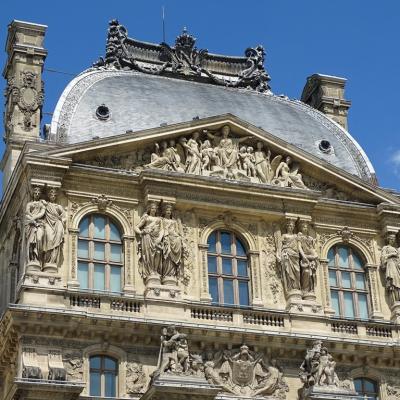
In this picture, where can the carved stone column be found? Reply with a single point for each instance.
(129, 285)
(376, 312)
(73, 272)
(256, 299)
(204, 292)
(326, 292)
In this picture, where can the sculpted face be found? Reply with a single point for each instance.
(304, 228)
(195, 135)
(225, 131)
(259, 145)
(36, 193)
(52, 195)
(288, 160)
(172, 143)
(153, 209)
(250, 149)
(164, 144)
(290, 226)
(168, 211)
(391, 239)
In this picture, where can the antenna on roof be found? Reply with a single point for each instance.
(163, 23)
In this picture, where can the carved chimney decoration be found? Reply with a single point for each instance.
(184, 59)
(326, 94)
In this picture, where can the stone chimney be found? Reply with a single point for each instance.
(326, 94)
(24, 91)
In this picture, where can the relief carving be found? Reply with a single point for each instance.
(215, 154)
(243, 372)
(136, 381)
(57, 372)
(73, 364)
(44, 232)
(30, 367)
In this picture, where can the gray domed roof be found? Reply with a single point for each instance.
(138, 101)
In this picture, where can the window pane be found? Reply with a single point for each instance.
(116, 252)
(243, 293)
(362, 305)
(358, 385)
(240, 251)
(212, 264)
(84, 227)
(369, 386)
(242, 267)
(98, 277)
(346, 280)
(360, 281)
(213, 287)
(225, 243)
(212, 240)
(357, 262)
(228, 291)
(83, 275)
(227, 266)
(83, 249)
(99, 227)
(335, 302)
(109, 380)
(110, 364)
(114, 232)
(331, 257)
(348, 304)
(95, 385)
(332, 278)
(99, 251)
(115, 279)
(343, 257)
(95, 362)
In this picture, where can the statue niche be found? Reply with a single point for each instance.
(160, 245)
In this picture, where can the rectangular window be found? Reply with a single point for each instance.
(332, 278)
(99, 277)
(99, 251)
(95, 384)
(242, 267)
(116, 252)
(343, 257)
(213, 288)
(212, 264)
(346, 280)
(114, 232)
(110, 387)
(362, 305)
(212, 240)
(335, 302)
(83, 249)
(228, 291)
(84, 228)
(115, 279)
(227, 266)
(360, 281)
(225, 243)
(243, 293)
(83, 275)
(348, 304)
(99, 227)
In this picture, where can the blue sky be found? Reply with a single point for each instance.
(351, 38)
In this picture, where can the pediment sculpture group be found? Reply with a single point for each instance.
(160, 243)
(241, 371)
(219, 154)
(44, 231)
(298, 258)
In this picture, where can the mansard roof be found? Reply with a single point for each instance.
(142, 86)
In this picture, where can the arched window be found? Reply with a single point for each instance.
(366, 388)
(347, 281)
(228, 271)
(103, 376)
(100, 259)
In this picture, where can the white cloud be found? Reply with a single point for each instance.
(395, 159)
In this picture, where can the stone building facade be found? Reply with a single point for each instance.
(180, 232)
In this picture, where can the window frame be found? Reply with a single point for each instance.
(91, 262)
(364, 394)
(221, 276)
(340, 288)
(102, 372)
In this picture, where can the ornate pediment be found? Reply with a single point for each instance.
(218, 154)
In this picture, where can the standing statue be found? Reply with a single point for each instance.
(54, 222)
(174, 354)
(151, 232)
(308, 259)
(287, 176)
(34, 229)
(263, 164)
(172, 244)
(288, 255)
(194, 157)
(390, 263)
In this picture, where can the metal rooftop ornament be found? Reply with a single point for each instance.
(184, 60)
